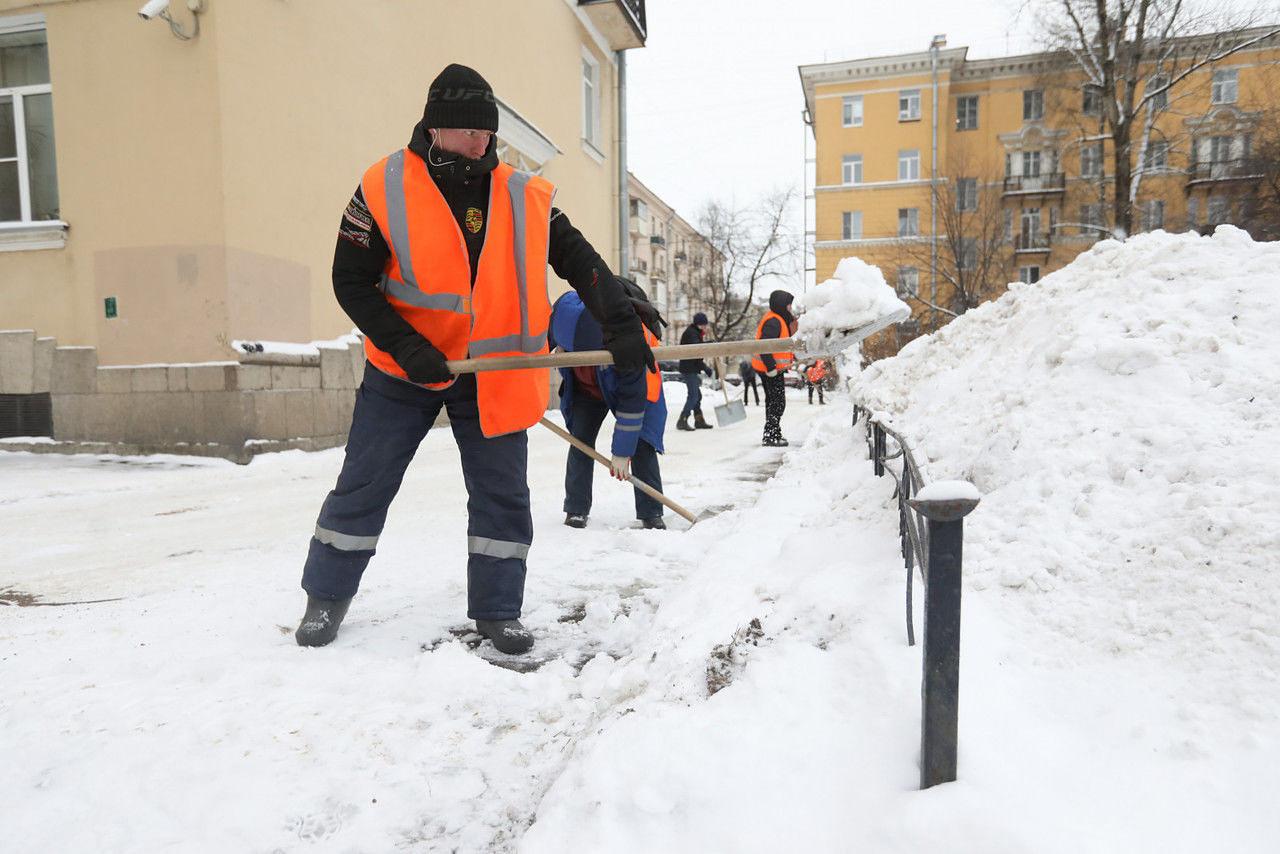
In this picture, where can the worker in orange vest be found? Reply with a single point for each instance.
(777, 322)
(442, 254)
(816, 375)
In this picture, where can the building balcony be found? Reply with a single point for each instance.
(1221, 170)
(657, 240)
(1050, 182)
(680, 256)
(621, 21)
(640, 226)
(1031, 242)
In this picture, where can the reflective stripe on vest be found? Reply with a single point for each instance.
(428, 280)
(781, 360)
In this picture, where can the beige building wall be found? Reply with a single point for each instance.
(203, 181)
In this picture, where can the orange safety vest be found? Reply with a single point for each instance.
(817, 372)
(653, 379)
(427, 280)
(781, 360)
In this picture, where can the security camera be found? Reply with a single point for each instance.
(152, 8)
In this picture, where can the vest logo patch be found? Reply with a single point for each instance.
(474, 220)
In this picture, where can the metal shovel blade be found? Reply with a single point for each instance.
(730, 413)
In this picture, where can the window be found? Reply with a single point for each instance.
(853, 111)
(908, 222)
(1152, 214)
(1157, 156)
(1219, 210)
(1091, 160)
(909, 165)
(1032, 105)
(28, 172)
(851, 169)
(968, 259)
(1193, 212)
(967, 112)
(851, 225)
(639, 209)
(908, 281)
(1091, 101)
(967, 194)
(1029, 275)
(1091, 215)
(1031, 221)
(908, 105)
(1225, 86)
(1031, 164)
(1160, 100)
(1008, 226)
(591, 100)
(1219, 149)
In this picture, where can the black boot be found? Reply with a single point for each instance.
(507, 635)
(699, 422)
(654, 523)
(576, 520)
(683, 423)
(320, 624)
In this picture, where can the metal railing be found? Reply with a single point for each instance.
(931, 532)
(1049, 182)
(1032, 241)
(1222, 170)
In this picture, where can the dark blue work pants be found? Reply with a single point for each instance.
(693, 401)
(390, 420)
(588, 414)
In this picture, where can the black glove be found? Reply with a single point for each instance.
(424, 363)
(649, 316)
(629, 349)
(706, 369)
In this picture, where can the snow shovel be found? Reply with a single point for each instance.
(635, 481)
(732, 411)
(821, 343)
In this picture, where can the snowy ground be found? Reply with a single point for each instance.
(742, 685)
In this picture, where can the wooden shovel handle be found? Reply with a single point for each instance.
(635, 481)
(595, 358)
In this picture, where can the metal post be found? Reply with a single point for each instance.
(940, 684)
(877, 450)
(938, 42)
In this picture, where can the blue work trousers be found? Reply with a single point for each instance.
(390, 420)
(587, 416)
(693, 401)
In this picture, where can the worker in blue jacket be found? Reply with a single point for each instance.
(588, 394)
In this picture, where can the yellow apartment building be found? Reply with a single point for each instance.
(1023, 167)
(170, 184)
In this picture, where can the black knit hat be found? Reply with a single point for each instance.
(460, 98)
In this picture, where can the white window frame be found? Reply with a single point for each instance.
(1161, 101)
(24, 24)
(1091, 160)
(908, 284)
(911, 222)
(969, 119)
(591, 100)
(1157, 156)
(851, 169)
(851, 111)
(1217, 210)
(1030, 158)
(1150, 221)
(909, 164)
(851, 225)
(910, 111)
(1025, 274)
(1226, 82)
(1091, 92)
(1032, 97)
(966, 195)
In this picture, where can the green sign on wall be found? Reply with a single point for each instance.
(109, 304)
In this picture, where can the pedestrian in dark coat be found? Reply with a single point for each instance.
(691, 371)
(434, 196)
(748, 374)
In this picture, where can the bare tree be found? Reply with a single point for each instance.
(1261, 214)
(757, 247)
(974, 248)
(1133, 53)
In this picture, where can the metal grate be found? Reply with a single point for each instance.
(26, 415)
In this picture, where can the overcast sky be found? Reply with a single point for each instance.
(714, 98)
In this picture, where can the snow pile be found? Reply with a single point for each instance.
(1119, 418)
(855, 296)
(290, 348)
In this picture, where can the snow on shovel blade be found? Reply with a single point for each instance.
(832, 342)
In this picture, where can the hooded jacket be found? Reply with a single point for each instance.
(362, 251)
(624, 392)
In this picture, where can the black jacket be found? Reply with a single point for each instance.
(693, 335)
(362, 251)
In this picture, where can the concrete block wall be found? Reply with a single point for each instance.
(228, 409)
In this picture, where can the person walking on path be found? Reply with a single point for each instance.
(777, 322)
(442, 254)
(691, 371)
(588, 394)
(748, 374)
(815, 376)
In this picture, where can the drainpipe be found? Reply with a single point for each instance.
(938, 42)
(624, 200)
